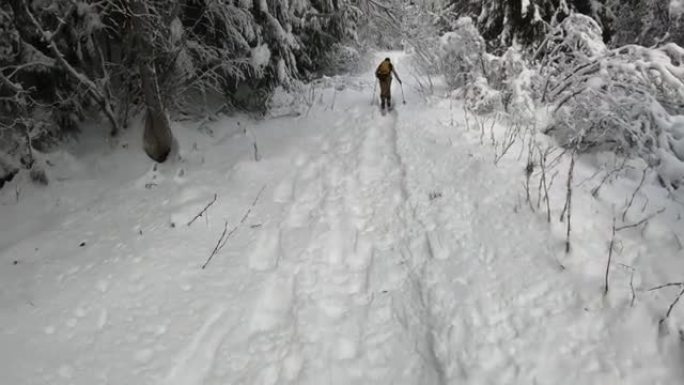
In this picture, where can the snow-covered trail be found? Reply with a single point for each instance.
(325, 315)
(383, 250)
(335, 268)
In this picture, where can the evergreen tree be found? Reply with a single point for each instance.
(503, 22)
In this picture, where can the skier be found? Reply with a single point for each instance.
(384, 75)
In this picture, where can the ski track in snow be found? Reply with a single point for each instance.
(323, 316)
(383, 255)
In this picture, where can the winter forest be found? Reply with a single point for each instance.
(66, 62)
(198, 192)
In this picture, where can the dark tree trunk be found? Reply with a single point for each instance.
(157, 138)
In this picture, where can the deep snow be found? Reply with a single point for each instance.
(383, 250)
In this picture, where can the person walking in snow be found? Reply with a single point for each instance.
(384, 75)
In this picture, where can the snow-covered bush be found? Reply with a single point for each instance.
(342, 58)
(576, 40)
(461, 54)
(490, 82)
(625, 100)
(480, 98)
(284, 102)
(518, 82)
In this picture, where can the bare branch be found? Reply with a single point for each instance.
(203, 210)
(512, 134)
(219, 245)
(672, 305)
(641, 222)
(224, 237)
(631, 200)
(50, 36)
(11, 85)
(19, 67)
(568, 201)
(679, 284)
(595, 190)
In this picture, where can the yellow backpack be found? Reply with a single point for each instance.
(384, 69)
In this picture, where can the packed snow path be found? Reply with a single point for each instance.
(384, 250)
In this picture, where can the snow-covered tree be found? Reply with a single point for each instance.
(462, 53)
(627, 100)
(525, 22)
(380, 23)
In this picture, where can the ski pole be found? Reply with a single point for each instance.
(402, 92)
(373, 96)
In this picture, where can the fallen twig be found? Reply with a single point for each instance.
(595, 190)
(666, 285)
(219, 245)
(586, 180)
(676, 300)
(641, 222)
(203, 210)
(249, 210)
(224, 237)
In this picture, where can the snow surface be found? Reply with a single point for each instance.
(383, 250)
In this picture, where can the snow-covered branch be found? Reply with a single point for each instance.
(22, 8)
(627, 99)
